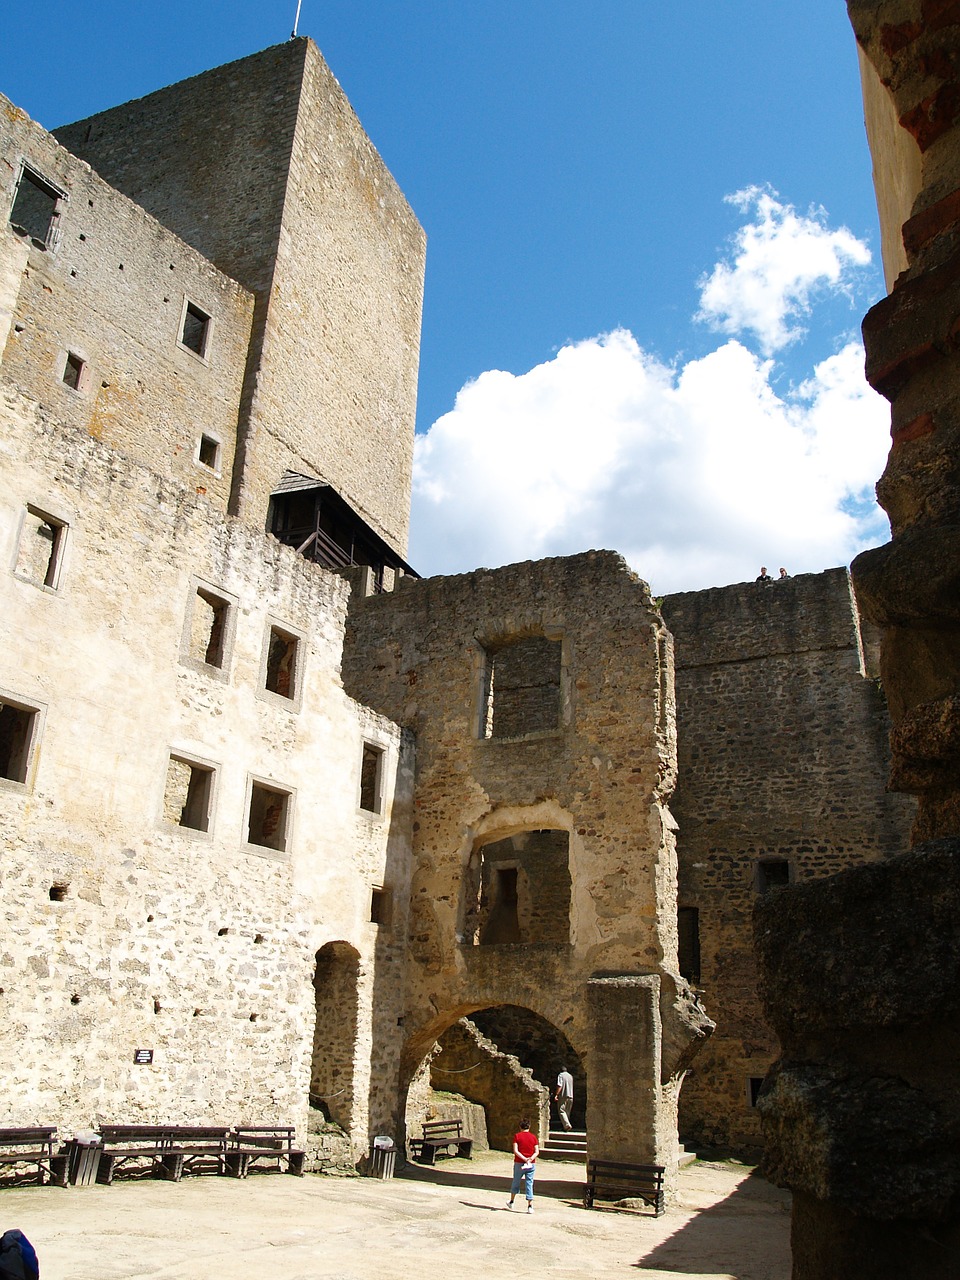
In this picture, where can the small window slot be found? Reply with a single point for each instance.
(371, 778)
(268, 817)
(281, 671)
(208, 453)
(40, 550)
(188, 794)
(195, 330)
(18, 726)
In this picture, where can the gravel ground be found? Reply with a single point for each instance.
(731, 1225)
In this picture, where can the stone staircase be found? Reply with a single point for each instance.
(561, 1145)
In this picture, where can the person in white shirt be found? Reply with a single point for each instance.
(563, 1097)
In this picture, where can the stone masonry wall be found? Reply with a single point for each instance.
(782, 754)
(112, 291)
(263, 166)
(602, 776)
(122, 928)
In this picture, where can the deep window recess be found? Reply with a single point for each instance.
(281, 673)
(518, 890)
(521, 688)
(208, 628)
(188, 793)
(380, 905)
(371, 779)
(36, 208)
(754, 1085)
(196, 329)
(268, 817)
(40, 553)
(209, 452)
(688, 926)
(73, 371)
(772, 873)
(17, 730)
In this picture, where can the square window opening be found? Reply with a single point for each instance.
(520, 691)
(40, 552)
(772, 873)
(209, 452)
(17, 727)
(208, 631)
(188, 793)
(371, 779)
(73, 371)
(196, 329)
(281, 672)
(267, 820)
(36, 207)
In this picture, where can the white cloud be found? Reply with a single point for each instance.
(697, 472)
(782, 259)
(698, 475)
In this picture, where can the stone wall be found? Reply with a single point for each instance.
(111, 289)
(126, 929)
(264, 168)
(782, 759)
(602, 776)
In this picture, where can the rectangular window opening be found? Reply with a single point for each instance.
(772, 873)
(36, 207)
(188, 792)
(754, 1085)
(521, 687)
(73, 371)
(688, 929)
(196, 329)
(209, 452)
(267, 820)
(371, 770)
(209, 628)
(40, 552)
(17, 728)
(380, 906)
(281, 673)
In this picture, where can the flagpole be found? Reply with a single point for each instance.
(296, 21)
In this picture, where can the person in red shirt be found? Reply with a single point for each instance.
(526, 1148)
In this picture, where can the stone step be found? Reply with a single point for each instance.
(565, 1145)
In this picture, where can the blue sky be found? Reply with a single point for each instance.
(573, 165)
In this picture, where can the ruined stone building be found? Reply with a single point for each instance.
(271, 806)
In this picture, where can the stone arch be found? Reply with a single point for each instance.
(508, 1079)
(336, 982)
(517, 883)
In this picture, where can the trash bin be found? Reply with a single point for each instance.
(383, 1157)
(83, 1159)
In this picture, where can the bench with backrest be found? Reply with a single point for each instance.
(167, 1150)
(250, 1144)
(611, 1180)
(35, 1146)
(440, 1135)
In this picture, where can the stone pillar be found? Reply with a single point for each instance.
(860, 973)
(623, 1123)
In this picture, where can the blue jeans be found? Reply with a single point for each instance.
(519, 1176)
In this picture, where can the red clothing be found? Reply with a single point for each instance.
(526, 1143)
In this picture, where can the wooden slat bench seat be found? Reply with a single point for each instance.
(611, 1180)
(35, 1146)
(439, 1135)
(168, 1150)
(252, 1143)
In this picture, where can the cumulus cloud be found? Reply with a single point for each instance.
(697, 472)
(782, 259)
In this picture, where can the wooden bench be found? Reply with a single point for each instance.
(611, 1180)
(39, 1144)
(250, 1143)
(168, 1149)
(439, 1135)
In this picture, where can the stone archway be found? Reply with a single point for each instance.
(335, 982)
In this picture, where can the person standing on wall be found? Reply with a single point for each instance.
(563, 1097)
(526, 1148)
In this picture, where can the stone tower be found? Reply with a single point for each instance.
(263, 167)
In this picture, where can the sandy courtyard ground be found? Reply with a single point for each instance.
(423, 1223)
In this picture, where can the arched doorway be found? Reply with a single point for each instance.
(335, 981)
